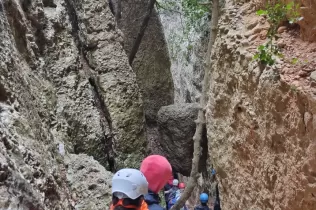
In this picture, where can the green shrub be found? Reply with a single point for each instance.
(276, 13)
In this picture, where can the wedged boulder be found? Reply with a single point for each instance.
(176, 125)
(152, 62)
(89, 182)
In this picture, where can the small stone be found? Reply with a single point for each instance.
(313, 76)
(279, 61)
(74, 196)
(303, 73)
(281, 29)
(244, 43)
(249, 56)
(253, 37)
(307, 118)
(284, 70)
(3, 176)
(281, 44)
(263, 34)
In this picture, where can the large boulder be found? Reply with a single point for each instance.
(176, 125)
(152, 62)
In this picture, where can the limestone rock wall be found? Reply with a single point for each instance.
(261, 128)
(64, 79)
(187, 44)
(88, 88)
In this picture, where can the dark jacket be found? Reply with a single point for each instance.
(153, 200)
(166, 188)
(201, 207)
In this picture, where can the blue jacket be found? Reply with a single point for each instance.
(175, 199)
(201, 207)
(153, 200)
(172, 194)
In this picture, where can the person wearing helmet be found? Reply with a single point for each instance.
(173, 190)
(181, 186)
(203, 204)
(129, 186)
(177, 197)
(157, 171)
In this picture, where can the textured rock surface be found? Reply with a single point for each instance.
(120, 104)
(152, 64)
(187, 44)
(307, 10)
(89, 182)
(30, 177)
(308, 24)
(80, 70)
(176, 124)
(261, 130)
(64, 78)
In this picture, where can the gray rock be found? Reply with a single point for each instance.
(83, 80)
(176, 128)
(89, 182)
(152, 62)
(187, 50)
(64, 78)
(313, 76)
(115, 90)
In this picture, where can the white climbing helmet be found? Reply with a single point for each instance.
(131, 182)
(175, 182)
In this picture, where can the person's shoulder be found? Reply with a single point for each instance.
(155, 207)
(197, 207)
(200, 207)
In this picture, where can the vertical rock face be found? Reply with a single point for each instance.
(152, 64)
(90, 90)
(261, 130)
(65, 79)
(114, 84)
(187, 43)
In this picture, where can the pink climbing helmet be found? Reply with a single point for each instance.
(157, 171)
(181, 185)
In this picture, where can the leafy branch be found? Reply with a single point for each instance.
(276, 14)
(191, 13)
